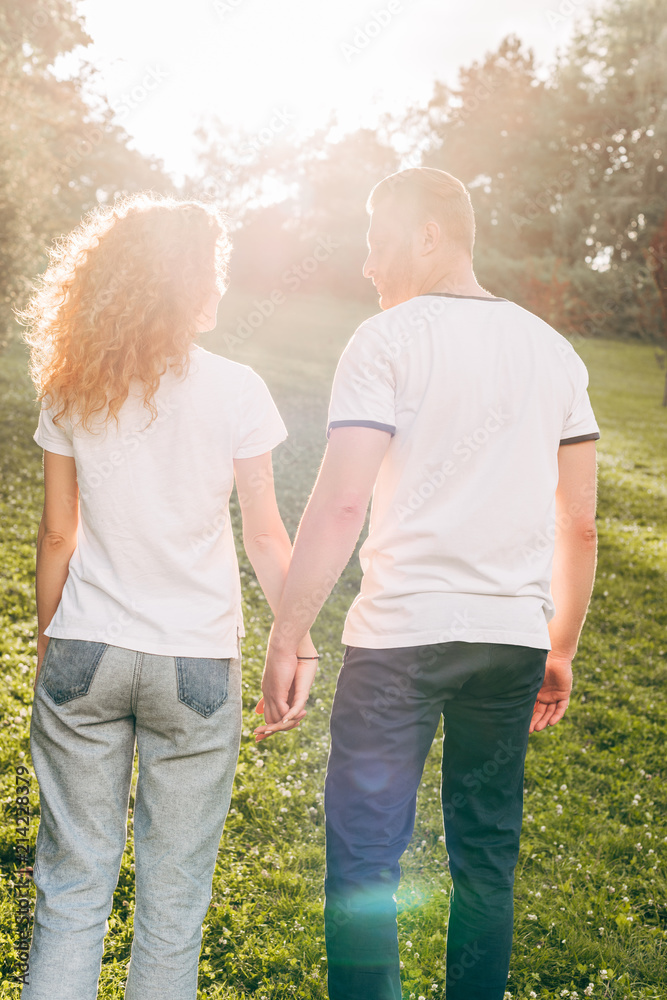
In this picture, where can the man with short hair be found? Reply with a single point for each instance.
(468, 420)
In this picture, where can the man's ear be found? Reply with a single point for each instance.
(431, 237)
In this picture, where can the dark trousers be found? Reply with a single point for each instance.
(385, 715)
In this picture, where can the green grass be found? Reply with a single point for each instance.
(590, 903)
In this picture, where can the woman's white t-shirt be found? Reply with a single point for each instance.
(478, 395)
(155, 566)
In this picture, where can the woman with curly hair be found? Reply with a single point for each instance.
(138, 591)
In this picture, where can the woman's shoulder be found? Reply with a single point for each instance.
(206, 364)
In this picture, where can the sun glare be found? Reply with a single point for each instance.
(282, 69)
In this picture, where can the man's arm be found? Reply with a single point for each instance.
(329, 529)
(575, 556)
(56, 541)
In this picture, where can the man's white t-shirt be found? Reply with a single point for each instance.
(478, 395)
(155, 565)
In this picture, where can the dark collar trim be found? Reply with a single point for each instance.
(475, 298)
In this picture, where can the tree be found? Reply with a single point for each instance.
(59, 156)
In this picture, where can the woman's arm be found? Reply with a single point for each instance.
(56, 541)
(265, 539)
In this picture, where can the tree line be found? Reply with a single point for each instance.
(566, 169)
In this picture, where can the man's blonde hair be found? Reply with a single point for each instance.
(430, 195)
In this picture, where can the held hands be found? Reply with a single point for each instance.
(285, 685)
(554, 695)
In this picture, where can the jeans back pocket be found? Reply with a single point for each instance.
(202, 683)
(69, 667)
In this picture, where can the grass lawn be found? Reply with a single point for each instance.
(591, 900)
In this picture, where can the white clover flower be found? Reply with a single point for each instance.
(408, 944)
(532, 916)
(589, 990)
(638, 846)
(604, 974)
(563, 788)
(532, 995)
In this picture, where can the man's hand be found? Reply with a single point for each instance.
(286, 685)
(554, 695)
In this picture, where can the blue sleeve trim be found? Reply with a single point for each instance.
(361, 423)
(582, 437)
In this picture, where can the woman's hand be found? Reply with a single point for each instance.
(286, 685)
(42, 643)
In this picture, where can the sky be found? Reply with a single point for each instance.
(284, 67)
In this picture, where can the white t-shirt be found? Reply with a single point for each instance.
(155, 565)
(478, 394)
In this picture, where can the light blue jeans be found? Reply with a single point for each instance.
(92, 703)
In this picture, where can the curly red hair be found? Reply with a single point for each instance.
(120, 301)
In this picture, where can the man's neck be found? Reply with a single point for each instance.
(456, 280)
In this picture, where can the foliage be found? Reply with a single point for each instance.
(60, 155)
(566, 173)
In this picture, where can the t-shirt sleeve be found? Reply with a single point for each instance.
(364, 386)
(56, 438)
(580, 424)
(260, 425)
